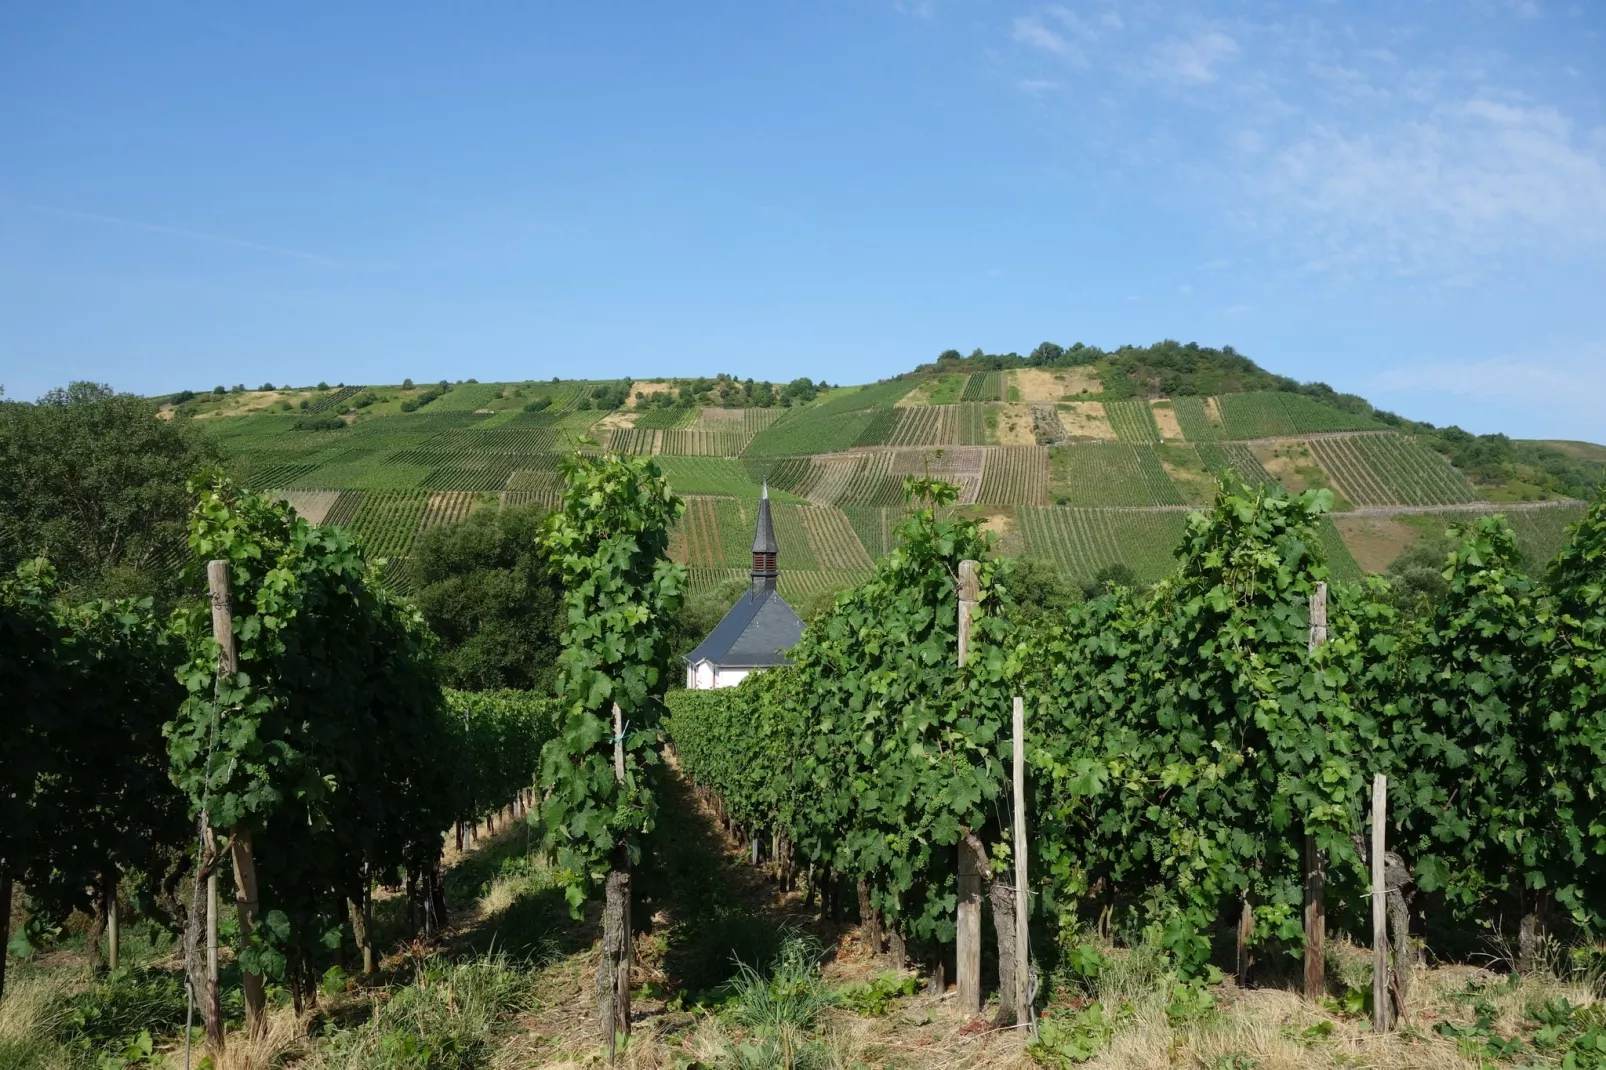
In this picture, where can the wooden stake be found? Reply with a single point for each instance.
(616, 946)
(1315, 920)
(967, 938)
(1023, 995)
(969, 590)
(972, 855)
(1315, 864)
(217, 582)
(113, 927)
(1380, 934)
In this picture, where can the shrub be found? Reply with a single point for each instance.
(318, 423)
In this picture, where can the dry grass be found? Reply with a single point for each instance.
(648, 387)
(1166, 417)
(618, 419)
(1086, 419)
(1015, 426)
(1044, 384)
(284, 1038)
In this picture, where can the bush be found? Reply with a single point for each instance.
(538, 404)
(318, 423)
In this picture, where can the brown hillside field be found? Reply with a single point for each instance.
(1166, 417)
(1375, 541)
(648, 387)
(616, 420)
(1015, 426)
(1086, 419)
(1053, 384)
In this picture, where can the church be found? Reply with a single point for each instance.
(759, 629)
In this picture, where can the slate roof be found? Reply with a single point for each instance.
(754, 635)
(764, 534)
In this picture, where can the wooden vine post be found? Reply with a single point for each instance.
(240, 854)
(114, 935)
(1380, 934)
(613, 974)
(1022, 993)
(972, 855)
(1315, 866)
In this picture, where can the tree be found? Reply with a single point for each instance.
(491, 598)
(1046, 354)
(610, 544)
(91, 479)
(407, 384)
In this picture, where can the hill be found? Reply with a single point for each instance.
(1076, 456)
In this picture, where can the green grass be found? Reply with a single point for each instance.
(1110, 474)
(946, 389)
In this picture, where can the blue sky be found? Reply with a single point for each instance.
(1404, 200)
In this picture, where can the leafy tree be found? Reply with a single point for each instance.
(1039, 592)
(407, 384)
(490, 596)
(89, 478)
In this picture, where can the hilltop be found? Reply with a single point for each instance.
(1076, 456)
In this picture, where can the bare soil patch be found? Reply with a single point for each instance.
(1054, 384)
(1166, 417)
(1375, 541)
(1015, 426)
(649, 387)
(1086, 420)
(617, 420)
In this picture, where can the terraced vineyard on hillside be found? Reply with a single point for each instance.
(835, 468)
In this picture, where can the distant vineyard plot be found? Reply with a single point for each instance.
(1082, 541)
(1016, 475)
(1111, 474)
(1132, 421)
(1389, 469)
(1269, 414)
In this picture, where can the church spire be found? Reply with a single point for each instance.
(764, 547)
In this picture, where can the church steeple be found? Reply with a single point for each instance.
(764, 547)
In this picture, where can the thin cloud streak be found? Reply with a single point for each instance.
(179, 232)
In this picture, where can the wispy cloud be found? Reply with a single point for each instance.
(1337, 149)
(1193, 60)
(1463, 178)
(1571, 379)
(1031, 31)
(178, 232)
(1036, 86)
